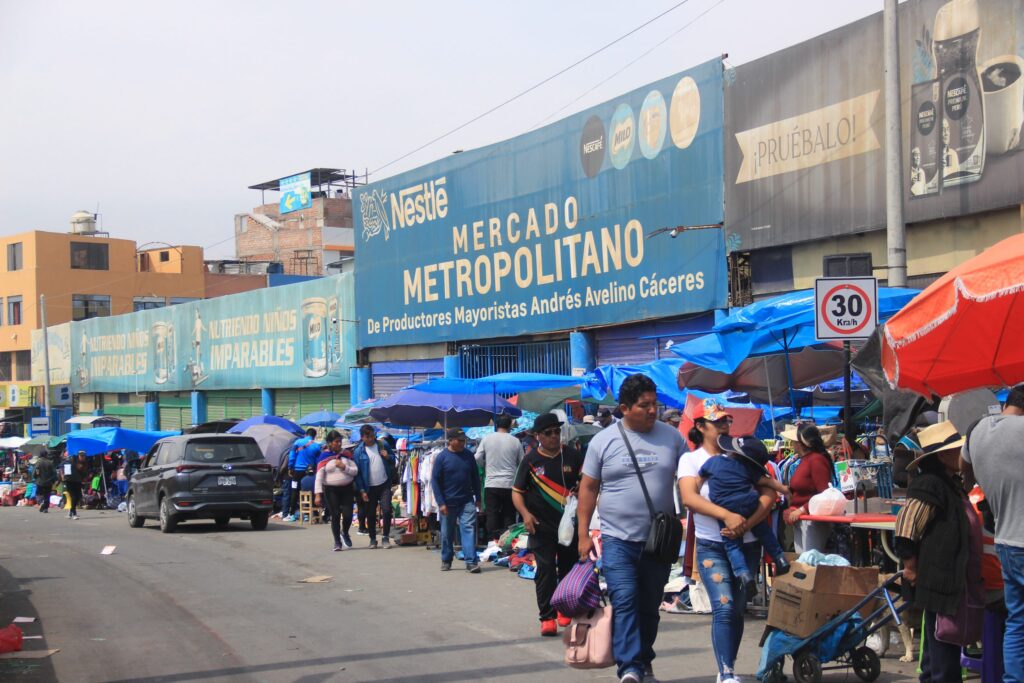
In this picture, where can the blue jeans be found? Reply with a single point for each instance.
(736, 550)
(724, 588)
(635, 584)
(465, 519)
(1012, 559)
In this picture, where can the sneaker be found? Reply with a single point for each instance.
(473, 568)
(70, 515)
(74, 516)
(548, 627)
(290, 518)
(385, 543)
(781, 567)
(446, 566)
(373, 544)
(631, 677)
(563, 620)
(363, 532)
(649, 676)
(676, 606)
(347, 540)
(276, 515)
(338, 547)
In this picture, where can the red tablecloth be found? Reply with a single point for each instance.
(864, 517)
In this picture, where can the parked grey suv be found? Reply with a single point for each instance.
(202, 476)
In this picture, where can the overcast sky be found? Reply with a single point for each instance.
(162, 114)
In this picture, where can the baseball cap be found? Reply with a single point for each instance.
(711, 410)
(546, 421)
(748, 447)
(588, 419)
(604, 412)
(455, 433)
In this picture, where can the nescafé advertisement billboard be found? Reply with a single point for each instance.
(300, 335)
(563, 227)
(805, 127)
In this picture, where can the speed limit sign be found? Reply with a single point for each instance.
(845, 307)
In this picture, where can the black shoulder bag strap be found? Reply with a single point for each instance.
(636, 466)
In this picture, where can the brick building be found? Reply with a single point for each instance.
(304, 240)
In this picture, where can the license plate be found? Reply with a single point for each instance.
(226, 481)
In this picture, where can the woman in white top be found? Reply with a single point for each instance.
(725, 590)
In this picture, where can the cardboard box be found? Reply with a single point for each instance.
(807, 597)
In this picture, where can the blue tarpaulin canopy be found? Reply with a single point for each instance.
(103, 439)
(777, 325)
(663, 372)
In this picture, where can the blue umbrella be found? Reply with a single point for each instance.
(415, 408)
(281, 422)
(321, 418)
(781, 324)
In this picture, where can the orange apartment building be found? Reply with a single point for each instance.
(85, 274)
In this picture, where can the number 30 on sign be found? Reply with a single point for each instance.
(845, 307)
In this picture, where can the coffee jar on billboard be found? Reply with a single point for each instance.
(925, 140)
(955, 43)
(314, 337)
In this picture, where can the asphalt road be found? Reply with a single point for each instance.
(209, 605)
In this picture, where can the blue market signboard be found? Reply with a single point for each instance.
(300, 335)
(567, 226)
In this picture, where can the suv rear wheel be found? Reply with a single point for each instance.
(135, 520)
(168, 521)
(259, 520)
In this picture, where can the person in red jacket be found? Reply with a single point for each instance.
(812, 475)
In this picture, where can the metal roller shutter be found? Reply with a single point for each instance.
(243, 407)
(171, 418)
(342, 399)
(214, 408)
(626, 351)
(385, 385)
(313, 400)
(286, 403)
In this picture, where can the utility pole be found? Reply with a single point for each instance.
(896, 236)
(46, 356)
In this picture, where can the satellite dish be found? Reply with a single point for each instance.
(967, 407)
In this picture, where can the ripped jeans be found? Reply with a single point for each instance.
(723, 587)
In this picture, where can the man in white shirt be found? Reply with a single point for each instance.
(377, 466)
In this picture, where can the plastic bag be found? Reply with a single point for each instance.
(10, 639)
(829, 503)
(567, 527)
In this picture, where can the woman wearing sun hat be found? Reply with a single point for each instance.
(938, 538)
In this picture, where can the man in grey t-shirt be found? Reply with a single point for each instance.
(499, 454)
(994, 455)
(635, 580)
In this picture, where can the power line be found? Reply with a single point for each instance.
(531, 88)
(627, 65)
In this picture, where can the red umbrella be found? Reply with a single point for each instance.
(965, 330)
